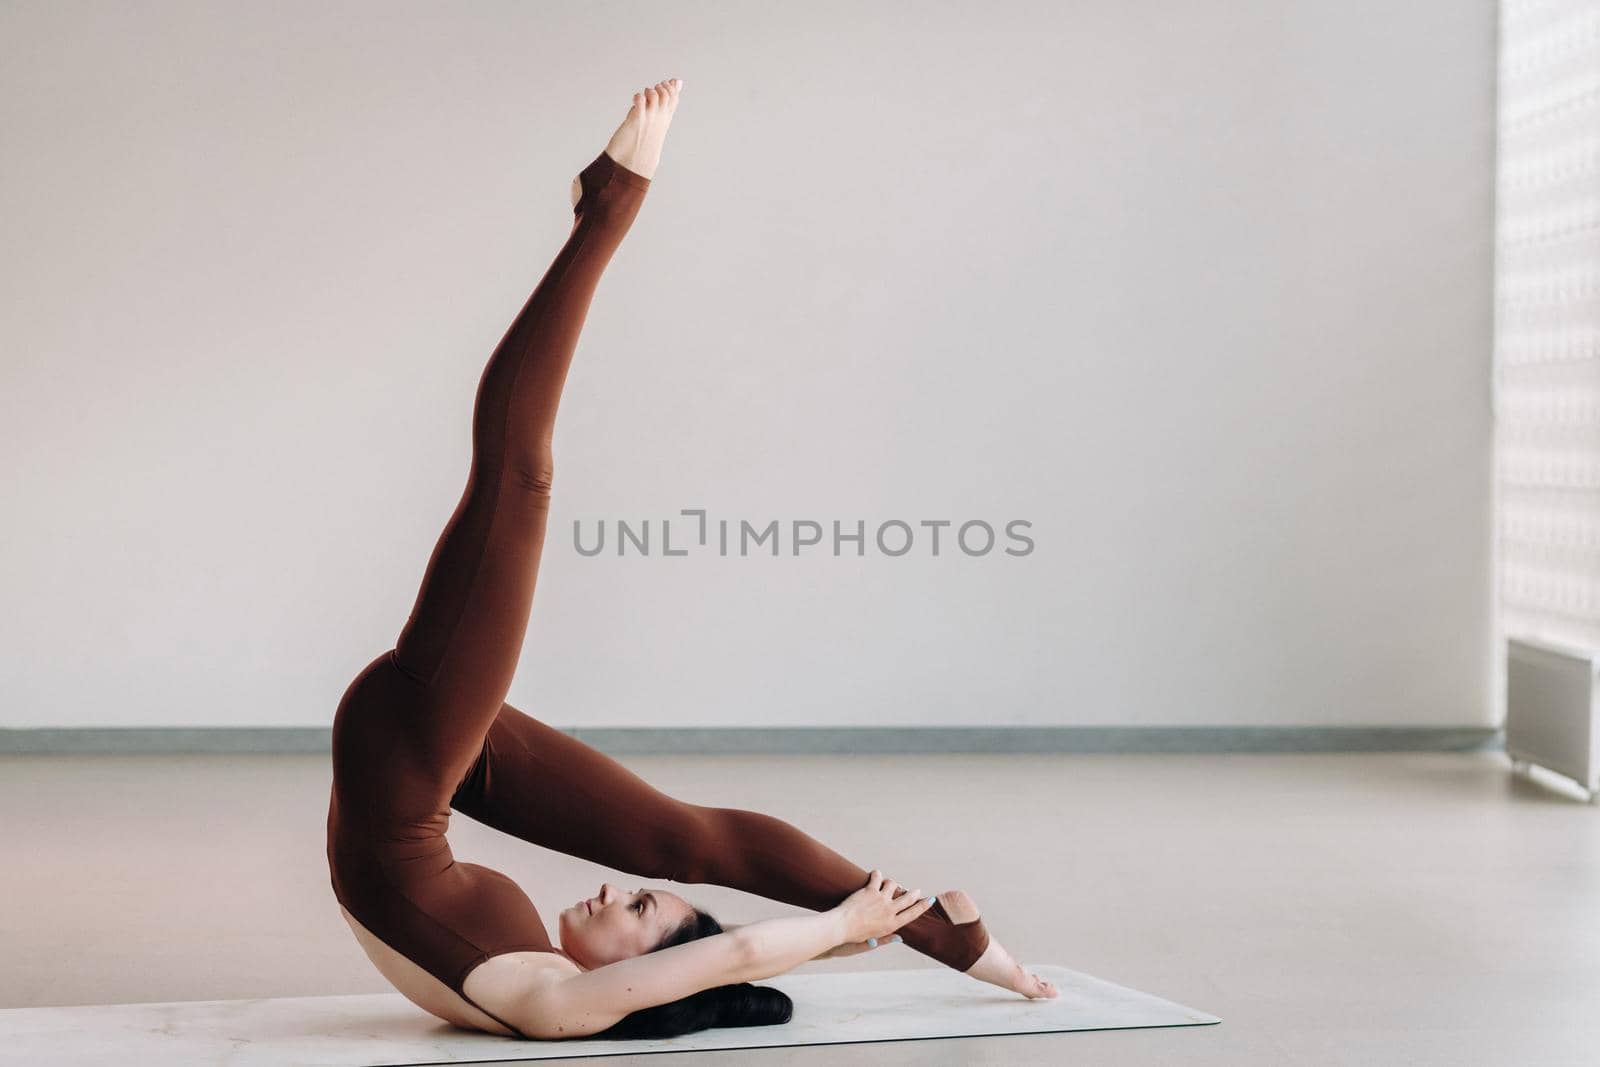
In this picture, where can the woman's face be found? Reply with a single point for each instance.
(616, 925)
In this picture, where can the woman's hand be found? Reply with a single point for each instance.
(856, 948)
(875, 911)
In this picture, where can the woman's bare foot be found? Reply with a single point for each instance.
(996, 966)
(637, 143)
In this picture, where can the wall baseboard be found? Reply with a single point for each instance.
(787, 740)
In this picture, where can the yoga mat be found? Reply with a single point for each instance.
(385, 1028)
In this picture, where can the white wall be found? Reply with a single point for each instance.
(1202, 290)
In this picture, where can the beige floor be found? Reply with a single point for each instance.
(1372, 910)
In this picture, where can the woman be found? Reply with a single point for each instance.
(424, 728)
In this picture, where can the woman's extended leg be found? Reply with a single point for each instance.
(546, 787)
(465, 633)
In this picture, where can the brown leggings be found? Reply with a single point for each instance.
(425, 728)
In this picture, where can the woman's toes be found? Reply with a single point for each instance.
(636, 144)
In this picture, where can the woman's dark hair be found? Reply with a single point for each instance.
(740, 1004)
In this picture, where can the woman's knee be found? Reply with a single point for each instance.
(535, 471)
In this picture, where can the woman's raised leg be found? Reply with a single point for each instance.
(546, 787)
(465, 633)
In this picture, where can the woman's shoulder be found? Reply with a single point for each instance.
(550, 966)
(503, 984)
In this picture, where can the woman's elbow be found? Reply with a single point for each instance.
(546, 1020)
(540, 1025)
(547, 1029)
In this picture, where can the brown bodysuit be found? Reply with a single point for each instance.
(424, 727)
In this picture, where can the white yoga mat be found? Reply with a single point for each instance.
(385, 1028)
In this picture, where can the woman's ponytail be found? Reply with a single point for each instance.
(751, 1005)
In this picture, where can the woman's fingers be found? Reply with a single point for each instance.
(909, 913)
(899, 899)
(912, 899)
(855, 948)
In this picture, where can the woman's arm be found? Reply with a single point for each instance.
(589, 1002)
(848, 948)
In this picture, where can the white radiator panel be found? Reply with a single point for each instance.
(1551, 709)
